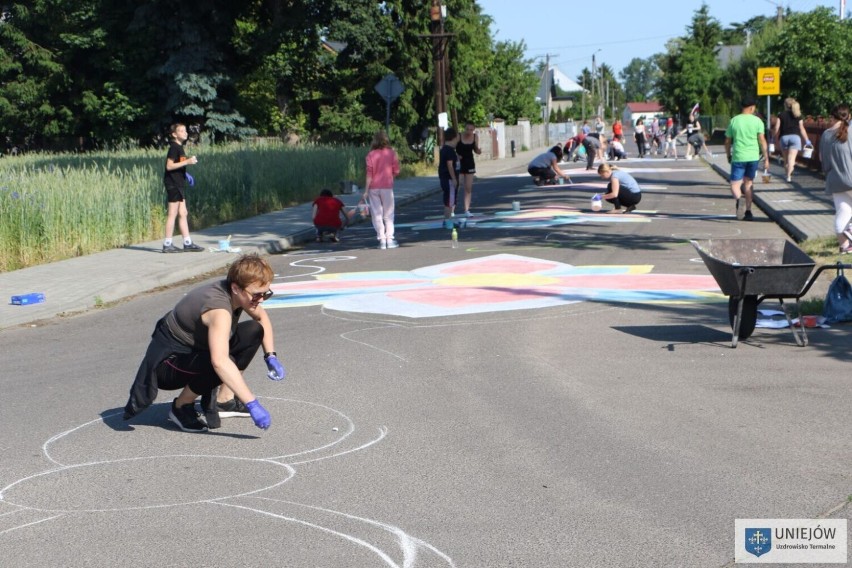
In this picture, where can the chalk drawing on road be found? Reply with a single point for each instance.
(493, 283)
(113, 482)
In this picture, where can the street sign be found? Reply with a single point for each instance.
(389, 88)
(768, 81)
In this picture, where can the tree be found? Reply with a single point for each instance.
(510, 94)
(639, 79)
(689, 69)
(814, 52)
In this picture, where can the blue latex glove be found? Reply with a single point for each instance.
(190, 180)
(276, 369)
(259, 414)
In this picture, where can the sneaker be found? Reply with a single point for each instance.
(741, 208)
(467, 214)
(335, 239)
(789, 179)
(232, 409)
(186, 418)
(383, 244)
(630, 208)
(210, 410)
(170, 248)
(846, 250)
(748, 216)
(192, 247)
(392, 244)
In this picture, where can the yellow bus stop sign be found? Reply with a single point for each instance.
(768, 81)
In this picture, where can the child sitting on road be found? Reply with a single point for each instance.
(329, 215)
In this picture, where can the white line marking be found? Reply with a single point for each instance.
(382, 433)
(29, 524)
(380, 553)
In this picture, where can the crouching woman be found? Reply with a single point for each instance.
(622, 190)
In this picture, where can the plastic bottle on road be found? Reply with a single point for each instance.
(455, 236)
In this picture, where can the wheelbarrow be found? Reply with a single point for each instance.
(750, 271)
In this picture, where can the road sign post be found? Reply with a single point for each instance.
(768, 84)
(390, 87)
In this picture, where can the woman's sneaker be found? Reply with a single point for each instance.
(392, 244)
(186, 418)
(232, 409)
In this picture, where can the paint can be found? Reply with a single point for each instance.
(596, 202)
(224, 245)
(771, 147)
(808, 152)
(516, 206)
(809, 321)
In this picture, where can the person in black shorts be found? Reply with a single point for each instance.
(468, 146)
(448, 172)
(175, 179)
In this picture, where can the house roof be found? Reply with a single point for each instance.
(645, 107)
(559, 82)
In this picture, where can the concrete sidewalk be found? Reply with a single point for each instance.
(86, 282)
(801, 207)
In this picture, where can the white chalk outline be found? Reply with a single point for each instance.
(408, 544)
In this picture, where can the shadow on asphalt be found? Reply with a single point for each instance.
(157, 415)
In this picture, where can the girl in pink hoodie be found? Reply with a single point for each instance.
(382, 168)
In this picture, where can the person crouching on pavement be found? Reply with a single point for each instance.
(545, 167)
(201, 344)
(616, 149)
(622, 190)
(329, 215)
(593, 145)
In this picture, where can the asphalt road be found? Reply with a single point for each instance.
(444, 407)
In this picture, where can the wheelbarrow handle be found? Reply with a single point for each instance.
(835, 266)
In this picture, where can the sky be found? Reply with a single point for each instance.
(571, 31)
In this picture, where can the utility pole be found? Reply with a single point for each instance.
(440, 60)
(547, 88)
(842, 9)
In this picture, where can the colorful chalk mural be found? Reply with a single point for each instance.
(493, 283)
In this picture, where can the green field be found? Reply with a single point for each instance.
(57, 206)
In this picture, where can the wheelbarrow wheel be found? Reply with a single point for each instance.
(749, 316)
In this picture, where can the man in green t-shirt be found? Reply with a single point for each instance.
(745, 142)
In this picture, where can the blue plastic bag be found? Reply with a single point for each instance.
(838, 300)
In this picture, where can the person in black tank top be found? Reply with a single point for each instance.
(468, 146)
(789, 133)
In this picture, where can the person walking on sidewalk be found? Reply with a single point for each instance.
(745, 142)
(175, 179)
(382, 168)
(835, 153)
(468, 146)
(201, 344)
(790, 133)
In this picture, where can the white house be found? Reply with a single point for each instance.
(632, 112)
(561, 90)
